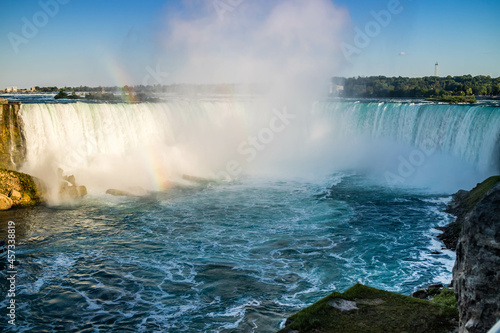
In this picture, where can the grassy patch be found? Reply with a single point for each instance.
(480, 190)
(445, 297)
(378, 311)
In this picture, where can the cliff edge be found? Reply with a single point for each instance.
(19, 189)
(463, 202)
(476, 273)
(12, 150)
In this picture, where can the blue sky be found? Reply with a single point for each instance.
(97, 42)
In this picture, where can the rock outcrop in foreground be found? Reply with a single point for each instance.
(463, 202)
(68, 188)
(18, 189)
(366, 309)
(476, 273)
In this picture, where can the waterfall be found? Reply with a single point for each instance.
(471, 133)
(149, 144)
(138, 144)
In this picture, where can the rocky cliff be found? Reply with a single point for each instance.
(476, 273)
(19, 189)
(463, 202)
(12, 150)
(16, 188)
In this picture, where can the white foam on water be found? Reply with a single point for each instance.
(92, 305)
(237, 312)
(55, 269)
(286, 244)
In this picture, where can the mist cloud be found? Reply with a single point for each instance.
(257, 42)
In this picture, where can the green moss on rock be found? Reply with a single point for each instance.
(475, 195)
(12, 150)
(446, 297)
(377, 311)
(464, 202)
(28, 187)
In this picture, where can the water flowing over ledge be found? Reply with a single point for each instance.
(471, 133)
(149, 144)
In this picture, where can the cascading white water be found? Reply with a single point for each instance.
(471, 133)
(148, 145)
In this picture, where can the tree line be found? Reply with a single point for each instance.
(142, 93)
(423, 87)
(167, 89)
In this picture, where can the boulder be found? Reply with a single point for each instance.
(422, 294)
(436, 286)
(82, 190)
(20, 188)
(5, 202)
(134, 191)
(68, 188)
(15, 195)
(68, 191)
(70, 179)
(119, 193)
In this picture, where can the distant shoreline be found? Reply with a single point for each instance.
(48, 98)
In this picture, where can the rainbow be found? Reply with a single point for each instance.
(119, 76)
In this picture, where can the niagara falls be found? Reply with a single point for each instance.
(249, 166)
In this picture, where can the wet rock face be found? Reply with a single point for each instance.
(68, 188)
(69, 191)
(19, 189)
(462, 204)
(12, 150)
(5, 202)
(457, 207)
(477, 269)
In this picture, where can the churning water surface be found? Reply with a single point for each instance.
(221, 257)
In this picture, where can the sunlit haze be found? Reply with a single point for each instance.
(72, 43)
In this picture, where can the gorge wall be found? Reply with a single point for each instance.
(12, 149)
(476, 273)
(16, 188)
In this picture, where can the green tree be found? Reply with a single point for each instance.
(483, 90)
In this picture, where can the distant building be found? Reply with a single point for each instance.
(336, 85)
(436, 70)
(14, 89)
(335, 89)
(33, 89)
